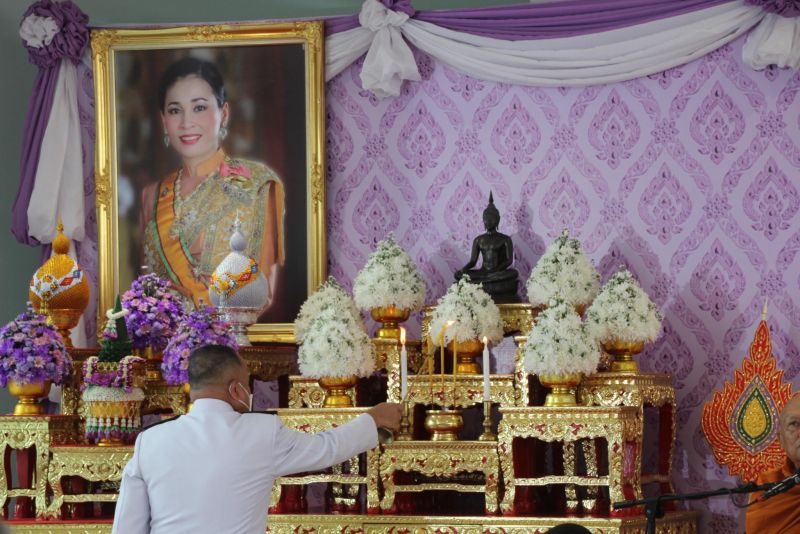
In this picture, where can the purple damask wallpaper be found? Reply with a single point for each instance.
(689, 177)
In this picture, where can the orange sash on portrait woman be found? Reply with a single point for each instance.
(174, 255)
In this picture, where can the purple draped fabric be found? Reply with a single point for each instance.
(784, 8)
(542, 21)
(69, 43)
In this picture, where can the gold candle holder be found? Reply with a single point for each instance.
(487, 435)
(444, 425)
(405, 425)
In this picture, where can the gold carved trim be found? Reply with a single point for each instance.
(671, 523)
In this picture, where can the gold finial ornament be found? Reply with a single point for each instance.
(59, 288)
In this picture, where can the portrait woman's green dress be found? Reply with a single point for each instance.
(186, 235)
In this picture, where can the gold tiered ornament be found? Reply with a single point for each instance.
(59, 288)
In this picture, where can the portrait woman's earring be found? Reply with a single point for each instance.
(223, 132)
(166, 138)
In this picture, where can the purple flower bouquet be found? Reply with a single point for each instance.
(32, 351)
(201, 327)
(155, 312)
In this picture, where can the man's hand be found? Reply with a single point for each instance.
(387, 415)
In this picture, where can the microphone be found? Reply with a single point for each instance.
(784, 485)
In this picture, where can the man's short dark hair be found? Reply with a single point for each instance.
(569, 528)
(211, 364)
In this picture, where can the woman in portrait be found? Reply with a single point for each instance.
(187, 217)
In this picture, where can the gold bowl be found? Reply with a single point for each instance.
(64, 319)
(563, 389)
(467, 351)
(444, 425)
(389, 317)
(336, 390)
(623, 352)
(28, 395)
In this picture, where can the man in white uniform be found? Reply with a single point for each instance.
(211, 471)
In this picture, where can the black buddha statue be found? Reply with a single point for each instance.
(495, 274)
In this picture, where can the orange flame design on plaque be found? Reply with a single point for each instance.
(741, 421)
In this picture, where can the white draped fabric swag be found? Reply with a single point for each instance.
(598, 58)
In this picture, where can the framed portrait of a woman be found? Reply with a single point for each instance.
(201, 126)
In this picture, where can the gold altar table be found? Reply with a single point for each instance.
(424, 389)
(641, 390)
(33, 436)
(89, 462)
(620, 426)
(441, 459)
(317, 420)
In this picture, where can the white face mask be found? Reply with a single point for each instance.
(249, 403)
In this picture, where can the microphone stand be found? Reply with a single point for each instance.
(653, 509)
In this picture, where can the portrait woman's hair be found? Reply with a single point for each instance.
(192, 66)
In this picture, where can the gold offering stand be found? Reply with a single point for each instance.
(640, 390)
(620, 426)
(90, 463)
(32, 437)
(441, 459)
(314, 420)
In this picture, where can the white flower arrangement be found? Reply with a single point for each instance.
(336, 345)
(330, 295)
(389, 278)
(559, 343)
(473, 312)
(623, 312)
(563, 271)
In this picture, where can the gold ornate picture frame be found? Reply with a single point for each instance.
(274, 85)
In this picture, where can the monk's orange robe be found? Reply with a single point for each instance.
(779, 514)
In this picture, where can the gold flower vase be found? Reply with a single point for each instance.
(64, 319)
(28, 396)
(389, 317)
(563, 389)
(466, 352)
(153, 360)
(337, 391)
(622, 352)
(444, 425)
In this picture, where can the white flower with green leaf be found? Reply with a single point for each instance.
(563, 271)
(559, 343)
(330, 295)
(473, 312)
(336, 345)
(623, 312)
(389, 278)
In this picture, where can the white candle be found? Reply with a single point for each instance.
(486, 392)
(403, 365)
